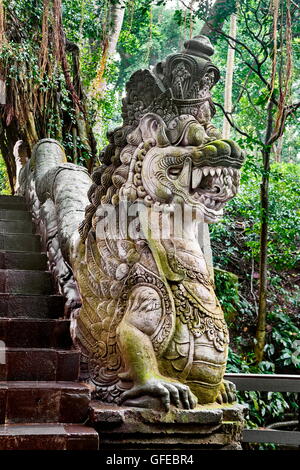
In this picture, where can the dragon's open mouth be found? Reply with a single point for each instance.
(209, 186)
(213, 187)
(204, 178)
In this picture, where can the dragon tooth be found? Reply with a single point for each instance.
(225, 171)
(184, 177)
(205, 171)
(219, 171)
(237, 176)
(196, 177)
(212, 171)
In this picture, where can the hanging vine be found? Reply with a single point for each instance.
(44, 95)
(285, 73)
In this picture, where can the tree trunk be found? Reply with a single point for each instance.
(278, 149)
(264, 197)
(217, 16)
(116, 18)
(229, 79)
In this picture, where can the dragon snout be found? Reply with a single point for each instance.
(219, 153)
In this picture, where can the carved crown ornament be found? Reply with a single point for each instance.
(179, 85)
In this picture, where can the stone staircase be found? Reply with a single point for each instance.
(42, 404)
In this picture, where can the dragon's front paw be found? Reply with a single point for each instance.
(227, 394)
(167, 391)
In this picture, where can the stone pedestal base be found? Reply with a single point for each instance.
(206, 427)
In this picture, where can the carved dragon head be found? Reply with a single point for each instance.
(183, 166)
(167, 150)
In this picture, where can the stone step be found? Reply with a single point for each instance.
(26, 306)
(20, 242)
(16, 226)
(6, 214)
(31, 333)
(44, 402)
(48, 437)
(28, 364)
(206, 427)
(25, 282)
(31, 261)
(12, 199)
(6, 205)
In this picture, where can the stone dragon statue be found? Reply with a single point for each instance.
(151, 330)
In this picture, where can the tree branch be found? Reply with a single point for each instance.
(226, 114)
(285, 114)
(257, 70)
(188, 7)
(243, 87)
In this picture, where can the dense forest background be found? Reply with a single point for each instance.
(63, 72)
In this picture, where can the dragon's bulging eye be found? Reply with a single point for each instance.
(174, 172)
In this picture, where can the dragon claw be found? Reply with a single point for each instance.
(227, 394)
(169, 392)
